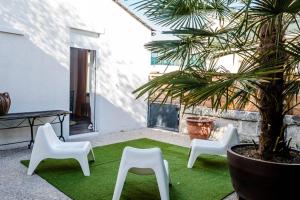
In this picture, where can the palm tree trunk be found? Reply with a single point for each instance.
(271, 93)
(271, 119)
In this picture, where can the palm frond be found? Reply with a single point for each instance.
(194, 87)
(183, 13)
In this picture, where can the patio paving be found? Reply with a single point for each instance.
(15, 184)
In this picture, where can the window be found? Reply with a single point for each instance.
(156, 61)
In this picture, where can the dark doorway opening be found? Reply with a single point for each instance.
(82, 90)
(164, 116)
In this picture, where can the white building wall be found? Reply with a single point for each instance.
(34, 68)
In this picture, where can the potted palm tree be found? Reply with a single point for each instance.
(264, 35)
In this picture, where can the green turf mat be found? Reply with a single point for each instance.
(208, 180)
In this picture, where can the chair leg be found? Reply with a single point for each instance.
(33, 163)
(120, 183)
(170, 181)
(166, 164)
(163, 185)
(91, 154)
(192, 158)
(84, 163)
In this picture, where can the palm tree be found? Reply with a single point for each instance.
(262, 34)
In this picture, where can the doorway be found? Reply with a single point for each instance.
(82, 90)
(163, 116)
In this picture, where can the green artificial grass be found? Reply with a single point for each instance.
(208, 180)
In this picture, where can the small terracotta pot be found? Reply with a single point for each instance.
(199, 127)
(4, 103)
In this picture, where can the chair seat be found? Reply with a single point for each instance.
(205, 143)
(147, 171)
(73, 147)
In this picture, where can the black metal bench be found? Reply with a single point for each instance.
(32, 117)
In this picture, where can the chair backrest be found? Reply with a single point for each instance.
(46, 137)
(142, 158)
(230, 136)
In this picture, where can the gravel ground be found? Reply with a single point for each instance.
(16, 185)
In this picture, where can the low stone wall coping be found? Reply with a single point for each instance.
(238, 115)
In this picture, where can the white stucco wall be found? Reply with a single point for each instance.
(34, 68)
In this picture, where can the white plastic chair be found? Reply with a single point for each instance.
(47, 145)
(218, 147)
(143, 162)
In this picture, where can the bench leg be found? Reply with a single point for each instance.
(31, 123)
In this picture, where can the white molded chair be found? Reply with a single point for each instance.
(47, 145)
(218, 147)
(143, 162)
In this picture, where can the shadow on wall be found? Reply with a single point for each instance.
(117, 108)
(34, 80)
(34, 67)
(45, 23)
(115, 102)
(112, 118)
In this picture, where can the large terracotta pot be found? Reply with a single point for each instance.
(4, 103)
(199, 127)
(255, 179)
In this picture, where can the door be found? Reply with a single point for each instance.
(82, 90)
(164, 116)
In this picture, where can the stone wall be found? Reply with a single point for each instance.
(246, 122)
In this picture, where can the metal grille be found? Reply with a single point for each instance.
(165, 116)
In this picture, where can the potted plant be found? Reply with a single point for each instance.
(264, 36)
(199, 127)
